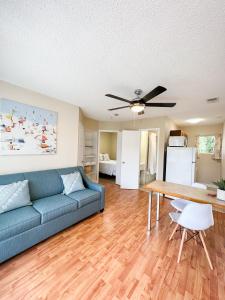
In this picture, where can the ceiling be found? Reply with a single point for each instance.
(78, 51)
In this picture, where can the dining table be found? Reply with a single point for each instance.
(186, 192)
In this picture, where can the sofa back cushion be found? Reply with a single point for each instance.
(44, 183)
(65, 171)
(41, 183)
(11, 178)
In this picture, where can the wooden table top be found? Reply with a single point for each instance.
(185, 192)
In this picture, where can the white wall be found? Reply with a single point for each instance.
(144, 147)
(67, 136)
(169, 125)
(223, 153)
(108, 144)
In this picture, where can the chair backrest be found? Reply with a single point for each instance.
(199, 185)
(196, 216)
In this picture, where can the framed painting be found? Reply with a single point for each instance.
(26, 129)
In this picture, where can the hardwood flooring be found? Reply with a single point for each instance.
(109, 256)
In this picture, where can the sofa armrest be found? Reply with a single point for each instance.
(94, 186)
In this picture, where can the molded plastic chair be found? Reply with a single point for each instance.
(195, 217)
(179, 204)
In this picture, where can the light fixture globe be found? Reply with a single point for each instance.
(137, 107)
(194, 120)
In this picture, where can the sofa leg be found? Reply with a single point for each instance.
(101, 210)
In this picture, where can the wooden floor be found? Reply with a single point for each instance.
(109, 256)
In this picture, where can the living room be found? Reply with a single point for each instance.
(112, 150)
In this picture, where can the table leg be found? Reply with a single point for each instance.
(158, 207)
(149, 211)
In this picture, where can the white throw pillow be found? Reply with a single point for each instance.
(14, 195)
(106, 157)
(101, 156)
(72, 182)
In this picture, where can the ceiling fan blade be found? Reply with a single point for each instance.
(118, 98)
(157, 91)
(118, 107)
(160, 104)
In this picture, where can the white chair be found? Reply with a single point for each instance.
(179, 204)
(197, 218)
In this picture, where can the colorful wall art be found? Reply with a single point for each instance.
(26, 129)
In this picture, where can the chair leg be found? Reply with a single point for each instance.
(175, 229)
(206, 251)
(171, 222)
(195, 238)
(204, 233)
(181, 244)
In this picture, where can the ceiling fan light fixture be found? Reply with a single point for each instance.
(138, 104)
(137, 107)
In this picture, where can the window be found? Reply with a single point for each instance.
(206, 144)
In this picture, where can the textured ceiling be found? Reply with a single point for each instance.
(79, 50)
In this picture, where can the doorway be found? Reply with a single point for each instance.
(108, 156)
(148, 156)
(139, 157)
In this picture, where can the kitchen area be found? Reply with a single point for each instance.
(194, 154)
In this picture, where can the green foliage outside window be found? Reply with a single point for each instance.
(206, 144)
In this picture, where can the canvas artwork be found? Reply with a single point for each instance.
(26, 129)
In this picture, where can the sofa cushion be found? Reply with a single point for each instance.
(85, 197)
(44, 184)
(72, 182)
(14, 195)
(53, 207)
(65, 171)
(17, 221)
(10, 178)
(69, 170)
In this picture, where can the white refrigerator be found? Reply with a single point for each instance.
(181, 165)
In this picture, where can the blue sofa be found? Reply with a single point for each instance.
(51, 211)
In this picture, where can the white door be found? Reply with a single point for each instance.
(130, 159)
(118, 157)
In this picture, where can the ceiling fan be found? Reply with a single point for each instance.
(138, 104)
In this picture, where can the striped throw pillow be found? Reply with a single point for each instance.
(14, 195)
(72, 182)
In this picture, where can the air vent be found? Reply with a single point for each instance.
(212, 100)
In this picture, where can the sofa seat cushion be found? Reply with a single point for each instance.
(17, 221)
(54, 206)
(85, 197)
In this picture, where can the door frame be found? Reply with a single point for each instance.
(157, 129)
(158, 135)
(98, 150)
